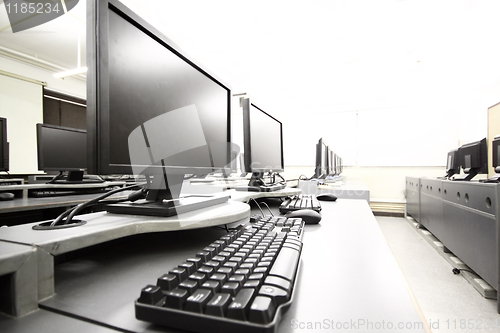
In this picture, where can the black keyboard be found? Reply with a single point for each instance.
(47, 193)
(241, 282)
(302, 201)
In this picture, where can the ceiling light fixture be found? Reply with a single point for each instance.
(71, 72)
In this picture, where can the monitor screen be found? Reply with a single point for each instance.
(61, 148)
(4, 146)
(339, 165)
(321, 166)
(150, 108)
(452, 162)
(473, 157)
(331, 162)
(496, 154)
(263, 140)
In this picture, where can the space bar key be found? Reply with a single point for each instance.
(286, 263)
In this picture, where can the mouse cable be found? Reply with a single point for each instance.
(269, 209)
(258, 206)
(70, 213)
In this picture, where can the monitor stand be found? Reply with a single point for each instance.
(73, 177)
(163, 199)
(257, 184)
(466, 177)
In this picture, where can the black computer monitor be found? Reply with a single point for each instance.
(62, 149)
(263, 143)
(4, 146)
(321, 169)
(151, 110)
(339, 164)
(331, 162)
(495, 147)
(473, 159)
(495, 160)
(452, 163)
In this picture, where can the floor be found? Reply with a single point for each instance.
(449, 302)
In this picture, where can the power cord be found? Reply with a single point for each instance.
(258, 206)
(457, 271)
(70, 213)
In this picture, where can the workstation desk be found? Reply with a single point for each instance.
(348, 276)
(464, 216)
(24, 208)
(346, 188)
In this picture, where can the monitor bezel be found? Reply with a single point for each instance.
(4, 145)
(495, 146)
(247, 139)
(480, 148)
(98, 154)
(455, 155)
(41, 147)
(320, 170)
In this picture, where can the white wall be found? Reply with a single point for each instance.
(21, 102)
(68, 85)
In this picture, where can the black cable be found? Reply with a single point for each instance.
(70, 213)
(258, 206)
(56, 178)
(457, 271)
(269, 209)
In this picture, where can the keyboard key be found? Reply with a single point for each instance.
(278, 295)
(238, 309)
(167, 282)
(197, 301)
(231, 288)
(285, 264)
(212, 285)
(189, 285)
(180, 272)
(175, 298)
(218, 305)
(150, 295)
(278, 282)
(262, 310)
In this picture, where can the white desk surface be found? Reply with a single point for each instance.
(348, 277)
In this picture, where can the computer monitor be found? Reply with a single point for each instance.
(62, 149)
(263, 143)
(339, 165)
(473, 159)
(495, 161)
(321, 169)
(452, 163)
(4, 146)
(151, 110)
(495, 146)
(331, 162)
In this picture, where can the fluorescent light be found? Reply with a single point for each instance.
(79, 70)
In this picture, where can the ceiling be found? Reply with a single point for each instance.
(316, 56)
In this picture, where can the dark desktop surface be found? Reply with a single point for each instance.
(347, 274)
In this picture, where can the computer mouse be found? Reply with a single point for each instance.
(4, 196)
(308, 215)
(326, 197)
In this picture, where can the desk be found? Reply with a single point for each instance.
(23, 190)
(26, 210)
(347, 250)
(464, 216)
(347, 189)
